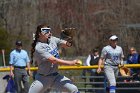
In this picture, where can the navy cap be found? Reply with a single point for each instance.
(18, 43)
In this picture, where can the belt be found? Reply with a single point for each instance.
(20, 67)
(51, 74)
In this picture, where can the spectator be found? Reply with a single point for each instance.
(19, 59)
(92, 59)
(133, 58)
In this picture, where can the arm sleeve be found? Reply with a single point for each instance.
(11, 58)
(43, 53)
(60, 41)
(88, 61)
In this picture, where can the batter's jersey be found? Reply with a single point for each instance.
(45, 50)
(112, 55)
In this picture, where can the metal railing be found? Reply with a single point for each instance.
(4, 69)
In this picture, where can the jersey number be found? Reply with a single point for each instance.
(115, 58)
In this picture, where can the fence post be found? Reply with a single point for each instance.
(3, 57)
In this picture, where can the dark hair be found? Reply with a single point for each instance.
(18, 43)
(94, 50)
(36, 39)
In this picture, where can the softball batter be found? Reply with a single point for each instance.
(112, 56)
(47, 56)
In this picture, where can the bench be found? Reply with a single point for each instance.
(122, 87)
